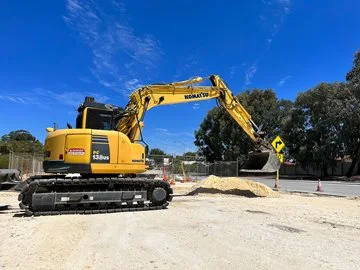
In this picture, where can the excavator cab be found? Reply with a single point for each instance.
(98, 116)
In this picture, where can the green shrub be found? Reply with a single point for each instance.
(4, 161)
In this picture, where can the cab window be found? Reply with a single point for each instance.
(99, 119)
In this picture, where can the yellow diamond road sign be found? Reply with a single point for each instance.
(278, 144)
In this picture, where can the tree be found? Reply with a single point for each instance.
(221, 138)
(189, 154)
(208, 137)
(351, 113)
(157, 155)
(313, 134)
(20, 141)
(353, 76)
(157, 151)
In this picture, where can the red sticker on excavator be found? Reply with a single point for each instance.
(76, 151)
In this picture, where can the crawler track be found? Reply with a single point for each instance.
(56, 195)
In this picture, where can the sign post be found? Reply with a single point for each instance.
(278, 144)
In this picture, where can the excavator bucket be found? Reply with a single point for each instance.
(266, 162)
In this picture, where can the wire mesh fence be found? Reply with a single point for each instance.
(27, 164)
(224, 168)
(189, 167)
(192, 168)
(196, 167)
(177, 167)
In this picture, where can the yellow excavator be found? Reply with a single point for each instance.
(107, 151)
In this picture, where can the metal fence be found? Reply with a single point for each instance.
(193, 167)
(27, 164)
(197, 167)
(177, 167)
(224, 168)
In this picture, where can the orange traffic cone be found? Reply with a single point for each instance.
(319, 187)
(164, 171)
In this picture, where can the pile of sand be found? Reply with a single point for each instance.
(233, 185)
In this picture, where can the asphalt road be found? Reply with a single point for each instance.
(330, 187)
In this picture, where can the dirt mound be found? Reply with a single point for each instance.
(233, 185)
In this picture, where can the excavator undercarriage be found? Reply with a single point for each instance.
(58, 194)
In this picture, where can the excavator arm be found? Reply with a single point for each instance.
(263, 159)
(147, 97)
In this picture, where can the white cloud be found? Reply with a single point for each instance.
(20, 99)
(196, 106)
(190, 62)
(132, 84)
(66, 97)
(187, 66)
(171, 141)
(232, 71)
(164, 132)
(85, 79)
(285, 5)
(284, 2)
(45, 98)
(268, 2)
(119, 5)
(250, 73)
(162, 129)
(188, 134)
(273, 17)
(283, 81)
(112, 40)
(269, 41)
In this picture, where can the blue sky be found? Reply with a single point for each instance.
(53, 53)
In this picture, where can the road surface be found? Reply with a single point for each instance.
(330, 187)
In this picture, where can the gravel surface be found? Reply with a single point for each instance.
(232, 185)
(195, 232)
